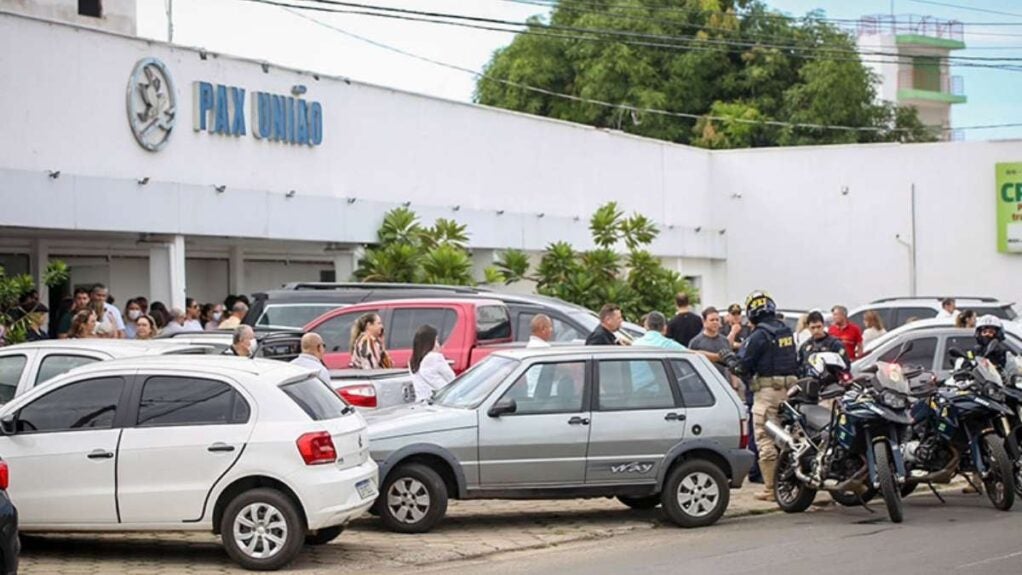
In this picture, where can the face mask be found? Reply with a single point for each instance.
(252, 347)
(134, 314)
(217, 315)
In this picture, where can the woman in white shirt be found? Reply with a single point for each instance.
(428, 366)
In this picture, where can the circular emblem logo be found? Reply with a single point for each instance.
(152, 103)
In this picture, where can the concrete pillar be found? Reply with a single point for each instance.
(39, 258)
(346, 262)
(236, 271)
(167, 272)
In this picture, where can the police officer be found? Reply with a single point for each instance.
(820, 341)
(768, 358)
(988, 330)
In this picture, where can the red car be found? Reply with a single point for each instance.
(467, 328)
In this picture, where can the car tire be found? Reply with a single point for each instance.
(413, 499)
(648, 502)
(324, 535)
(695, 494)
(262, 530)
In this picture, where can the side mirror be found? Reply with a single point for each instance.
(504, 405)
(8, 425)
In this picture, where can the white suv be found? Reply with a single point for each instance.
(261, 452)
(897, 311)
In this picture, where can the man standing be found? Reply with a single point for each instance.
(238, 311)
(610, 322)
(176, 323)
(849, 333)
(769, 358)
(656, 333)
(738, 328)
(542, 331)
(99, 293)
(244, 342)
(684, 325)
(312, 356)
(949, 309)
(81, 301)
(712, 343)
(820, 341)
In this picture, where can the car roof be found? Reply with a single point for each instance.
(115, 347)
(574, 349)
(212, 364)
(934, 303)
(389, 303)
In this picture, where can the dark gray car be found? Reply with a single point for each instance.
(648, 426)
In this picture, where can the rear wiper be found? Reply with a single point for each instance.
(347, 409)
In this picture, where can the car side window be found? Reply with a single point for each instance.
(11, 367)
(563, 332)
(89, 404)
(404, 322)
(922, 353)
(57, 364)
(173, 401)
(295, 316)
(549, 388)
(961, 343)
(634, 384)
(336, 331)
(910, 314)
(694, 392)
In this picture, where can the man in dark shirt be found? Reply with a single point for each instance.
(820, 341)
(684, 325)
(712, 343)
(610, 322)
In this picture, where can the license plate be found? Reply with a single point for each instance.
(366, 489)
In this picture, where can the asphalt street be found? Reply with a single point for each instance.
(965, 536)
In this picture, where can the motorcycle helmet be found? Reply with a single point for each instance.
(826, 366)
(989, 323)
(759, 306)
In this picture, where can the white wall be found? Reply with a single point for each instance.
(800, 238)
(118, 15)
(267, 275)
(206, 279)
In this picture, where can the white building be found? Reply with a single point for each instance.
(207, 201)
(909, 56)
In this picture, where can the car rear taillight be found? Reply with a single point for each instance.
(5, 475)
(317, 448)
(743, 442)
(362, 395)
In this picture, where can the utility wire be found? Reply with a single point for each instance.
(583, 100)
(970, 8)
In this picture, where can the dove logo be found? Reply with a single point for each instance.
(152, 104)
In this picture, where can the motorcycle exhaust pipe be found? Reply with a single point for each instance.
(779, 435)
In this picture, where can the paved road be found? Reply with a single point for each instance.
(966, 536)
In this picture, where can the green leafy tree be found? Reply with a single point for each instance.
(733, 63)
(11, 290)
(511, 266)
(407, 252)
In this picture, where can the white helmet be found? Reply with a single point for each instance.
(987, 322)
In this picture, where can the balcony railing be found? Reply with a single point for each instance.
(916, 80)
(928, 26)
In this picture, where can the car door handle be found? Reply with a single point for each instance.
(219, 447)
(578, 421)
(674, 417)
(100, 454)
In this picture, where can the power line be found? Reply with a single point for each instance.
(969, 8)
(623, 107)
(338, 7)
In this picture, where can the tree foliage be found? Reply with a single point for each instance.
(11, 290)
(734, 63)
(407, 252)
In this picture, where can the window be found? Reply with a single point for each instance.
(634, 384)
(11, 367)
(336, 331)
(909, 314)
(404, 322)
(563, 332)
(296, 316)
(926, 73)
(54, 365)
(492, 322)
(549, 388)
(921, 355)
(470, 388)
(186, 401)
(962, 343)
(1003, 312)
(90, 404)
(92, 8)
(694, 392)
(315, 398)
(886, 316)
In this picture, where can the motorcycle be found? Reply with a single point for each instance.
(960, 427)
(852, 447)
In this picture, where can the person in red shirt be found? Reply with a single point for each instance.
(849, 333)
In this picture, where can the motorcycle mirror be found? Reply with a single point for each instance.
(956, 353)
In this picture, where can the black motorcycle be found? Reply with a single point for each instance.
(852, 447)
(959, 428)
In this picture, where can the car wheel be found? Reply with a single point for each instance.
(695, 494)
(413, 499)
(262, 530)
(648, 502)
(324, 536)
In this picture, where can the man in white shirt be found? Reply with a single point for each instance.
(312, 356)
(949, 309)
(99, 293)
(542, 331)
(192, 313)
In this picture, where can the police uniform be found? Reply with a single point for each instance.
(768, 356)
(825, 344)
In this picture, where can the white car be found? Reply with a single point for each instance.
(260, 452)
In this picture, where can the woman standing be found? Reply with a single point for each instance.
(429, 367)
(83, 325)
(145, 327)
(874, 327)
(367, 350)
(966, 319)
(132, 312)
(106, 321)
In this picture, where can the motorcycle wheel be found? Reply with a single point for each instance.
(1018, 476)
(849, 499)
(792, 495)
(888, 486)
(1000, 482)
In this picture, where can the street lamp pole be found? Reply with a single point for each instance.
(170, 21)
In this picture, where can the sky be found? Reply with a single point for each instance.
(271, 33)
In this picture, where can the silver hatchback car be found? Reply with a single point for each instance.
(645, 425)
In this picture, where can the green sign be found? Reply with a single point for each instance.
(1009, 208)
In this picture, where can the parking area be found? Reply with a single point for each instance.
(473, 529)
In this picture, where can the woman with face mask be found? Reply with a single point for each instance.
(132, 311)
(216, 315)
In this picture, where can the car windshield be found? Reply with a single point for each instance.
(473, 386)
